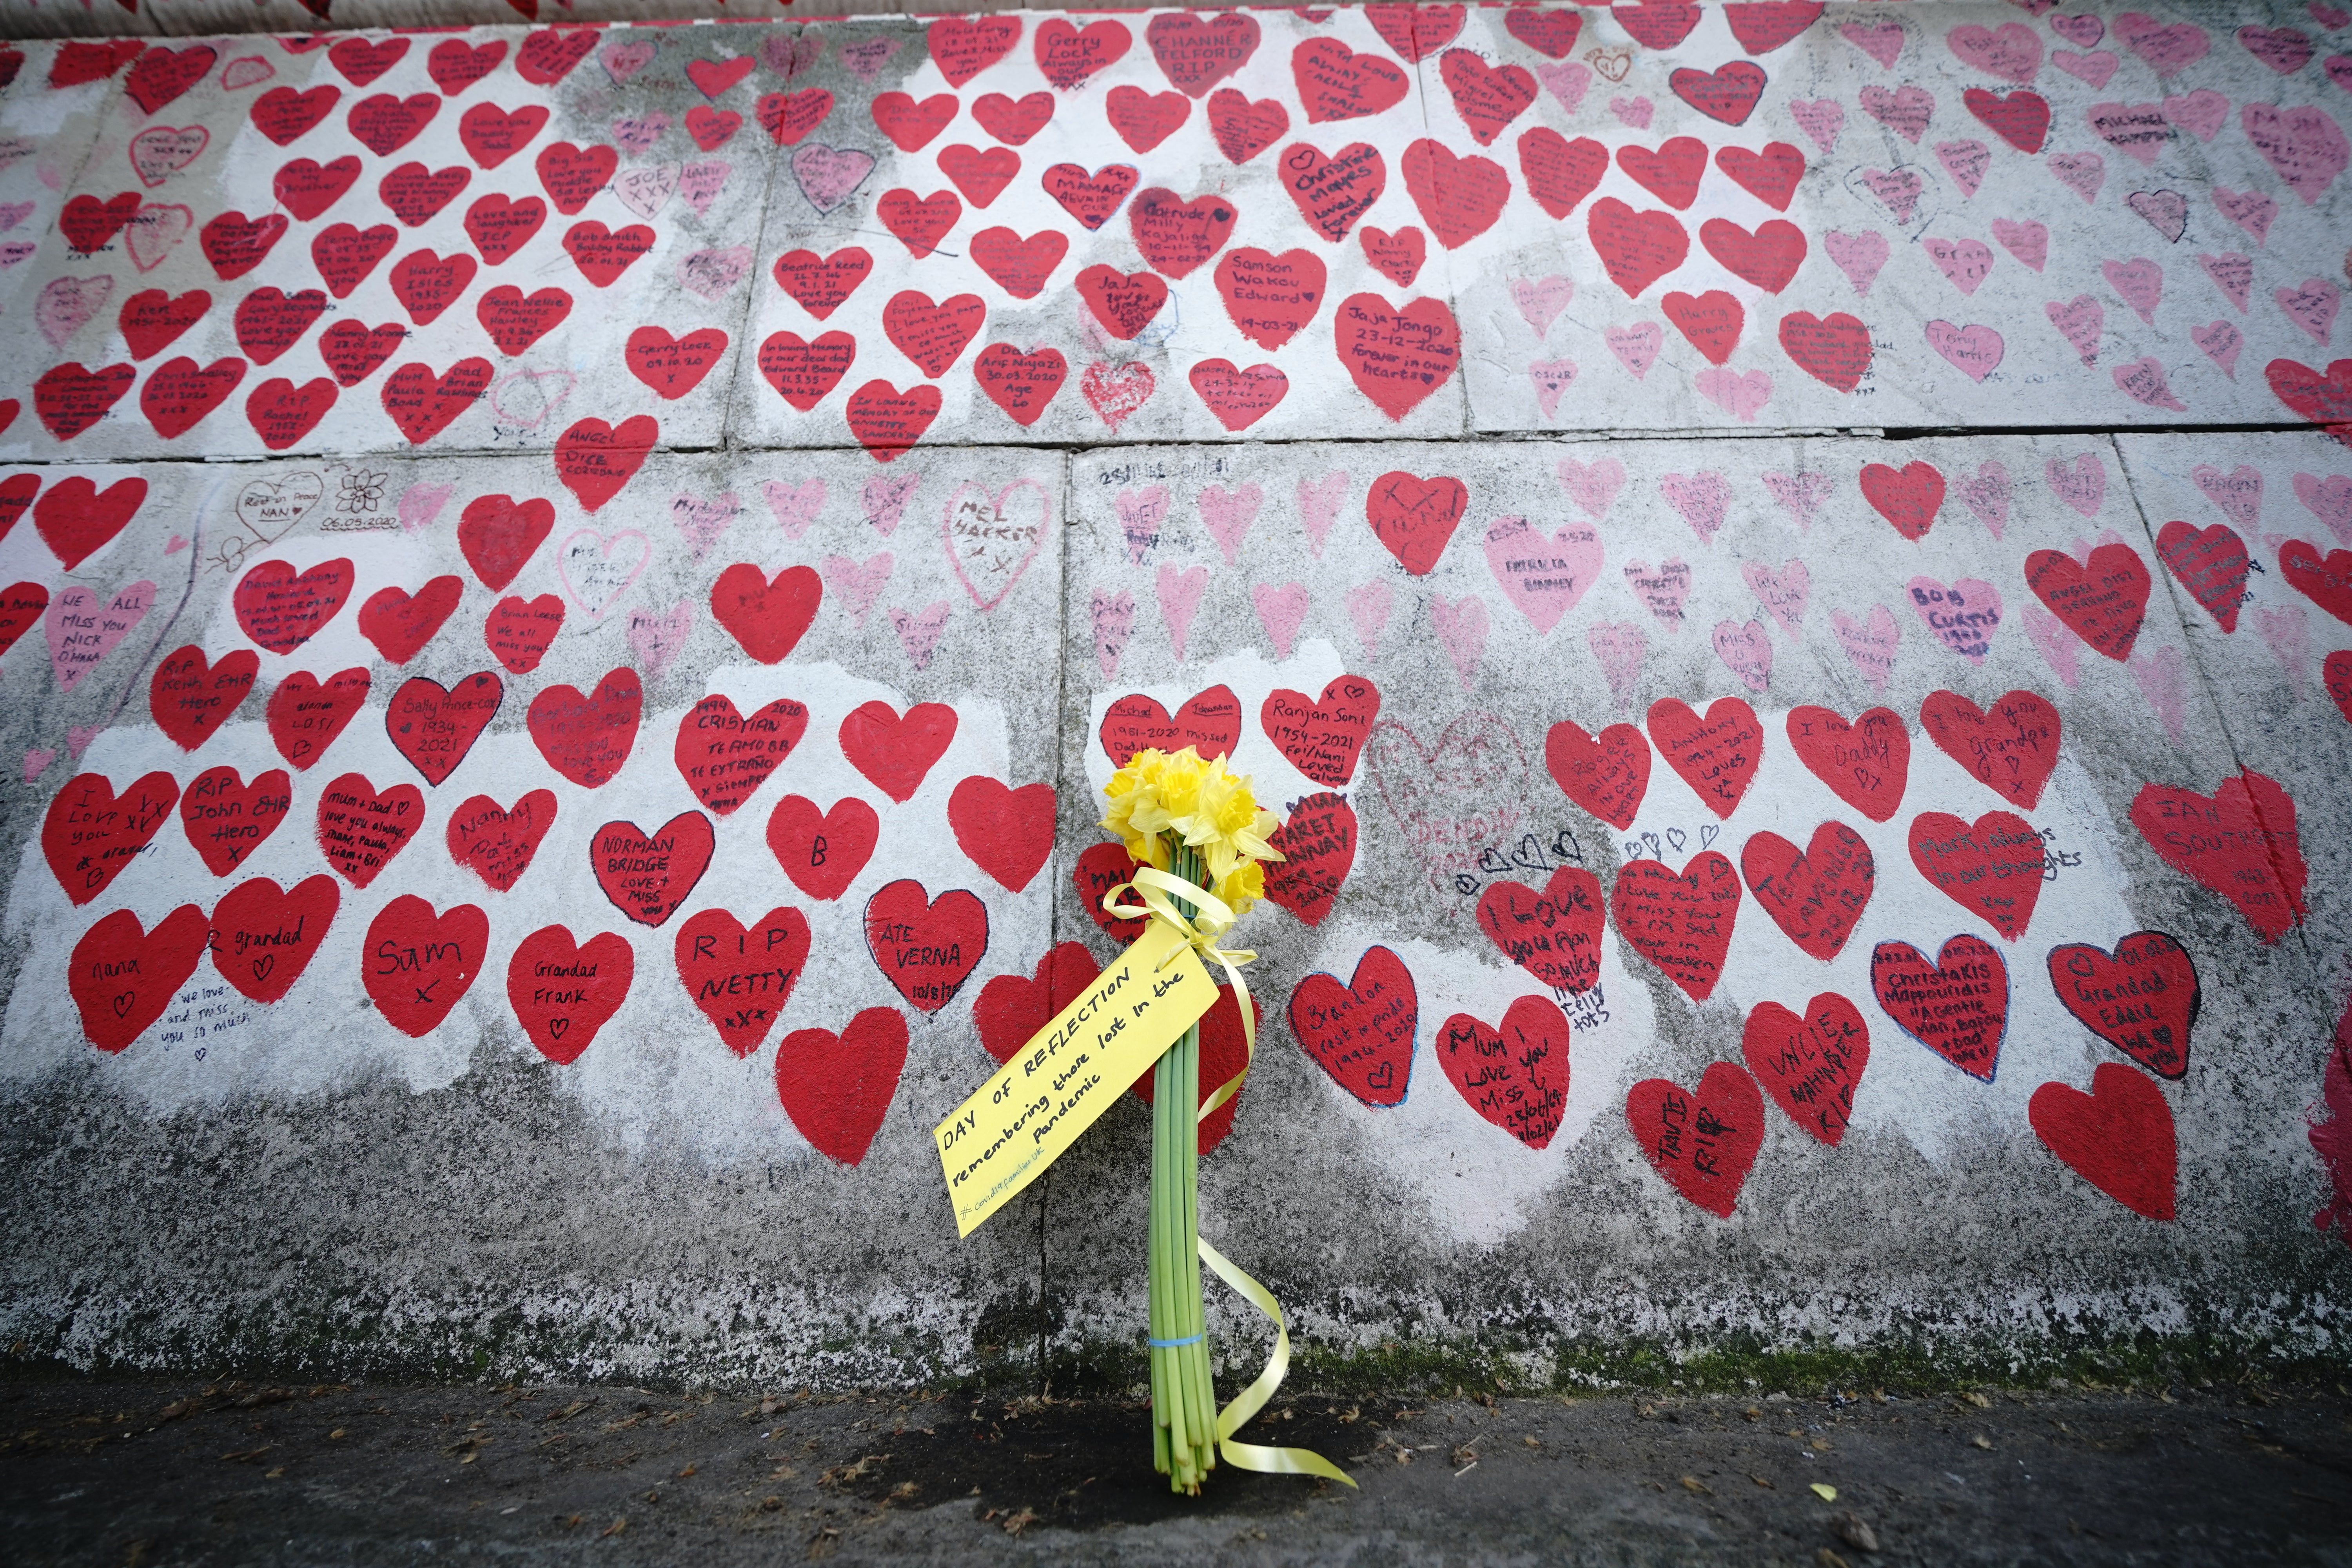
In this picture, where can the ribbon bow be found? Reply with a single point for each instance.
(1211, 919)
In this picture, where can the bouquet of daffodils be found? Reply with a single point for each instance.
(1197, 823)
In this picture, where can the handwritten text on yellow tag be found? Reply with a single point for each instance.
(1069, 1072)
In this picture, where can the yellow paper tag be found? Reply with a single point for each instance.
(1069, 1072)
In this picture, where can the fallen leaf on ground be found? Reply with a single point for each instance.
(1824, 1491)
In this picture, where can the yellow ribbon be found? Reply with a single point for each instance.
(1212, 919)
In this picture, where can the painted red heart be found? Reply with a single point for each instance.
(361, 61)
(919, 222)
(1317, 843)
(1809, 1063)
(1125, 303)
(2022, 119)
(2336, 676)
(1238, 397)
(2326, 581)
(602, 254)
(1670, 173)
(1991, 867)
(455, 65)
(2013, 748)
(427, 284)
(226, 819)
(2212, 564)
(1729, 94)
(712, 129)
(1176, 237)
(1704, 1144)
(1415, 518)
(1771, 175)
(1816, 895)
(766, 616)
(1658, 24)
(1488, 98)
(802, 372)
(725, 755)
(355, 352)
(1908, 497)
(2240, 842)
(345, 255)
(1335, 84)
(123, 976)
(498, 534)
(647, 876)
(587, 737)
(563, 991)
(2143, 998)
(235, 244)
(1712, 322)
(423, 404)
(91, 835)
(1607, 774)
(1717, 755)
(77, 520)
(496, 843)
(1868, 763)
(264, 936)
(1007, 832)
(1332, 193)
(1834, 350)
(1559, 172)
(822, 851)
(1268, 297)
(1089, 198)
(893, 752)
(1681, 924)
(2102, 600)
(419, 963)
(1144, 120)
(499, 228)
(268, 322)
(153, 319)
(400, 623)
(926, 947)
(1023, 385)
(1551, 33)
(492, 135)
(2119, 1137)
(1097, 871)
(932, 335)
(1209, 721)
(1958, 1006)
(909, 123)
(16, 493)
(1321, 737)
(281, 609)
(740, 976)
(887, 422)
(385, 122)
(1068, 53)
(1636, 249)
(1243, 127)
(1458, 198)
(414, 194)
(88, 224)
(980, 175)
(1396, 256)
(1020, 266)
(1514, 1077)
(1012, 1008)
(572, 175)
(1554, 935)
(788, 117)
(1361, 1033)
(191, 697)
(362, 828)
(596, 460)
(69, 398)
(819, 284)
(1195, 53)
(180, 393)
(516, 320)
(1769, 258)
(713, 78)
(285, 116)
(2324, 399)
(434, 726)
(837, 1088)
(305, 714)
(962, 50)
(547, 57)
(21, 608)
(1014, 122)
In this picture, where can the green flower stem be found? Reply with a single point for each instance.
(1183, 1396)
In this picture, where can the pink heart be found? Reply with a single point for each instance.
(2282, 49)
(1965, 161)
(992, 539)
(797, 507)
(2095, 70)
(1661, 592)
(1551, 379)
(2328, 17)
(1318, 505)
(2221, 341)
(1782, 593)
(2311, 306)
(788, 56)
(1820, 119)
(596, 570)
(2081, 172)
(918, 631)
(1741, 396)
(1900, 189)
(1179, 596)
(1540, 301)
(14, 212)
(2143, 381)
(2140, 282)
(2079, 31)
(884, 501)
(1881, 39)
(638, 132)
(699, 183)
(826, 175)
(865, 58)
(1963, 262)
(1592, 486)
(646, 190)
(1281, 611)
(1543, 575)
(2163, 681)
(701, 522)
(1114, 622)
(1142, 515)
(36, 759)
(1367, 607)
(858, 586)
(2250, 210)
(2012, 51)
(2329, 500)
(247, 70)
(2166, 212)
(162, 151)
(1905, 111)
(2304, 146)
(2232, 273)
(1800, 495)
(1986, 493)
(622, 60)
(1461, 627)
(65, 306)
(1634, 111)
(1227, 515)
(2238, 494)
(2289, 638)
(1859, 256)
(1870, 645)
(175, 544)
(2138, 130)
(1974, 350)
(1963, 614)
(2081, 321)
(1567, 81)
(79, 736)
(1746, 651)
(82, 630)
(2201, 114)
(2081, 484)
(2027, 241)
(1619, 647)
(1702, 499)
(1636, 346)
(420, 505)
(2170, 51)
(656, 640)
